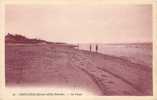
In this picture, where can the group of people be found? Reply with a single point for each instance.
(90, 47)
(96, 48)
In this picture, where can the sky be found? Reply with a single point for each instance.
(81, 23)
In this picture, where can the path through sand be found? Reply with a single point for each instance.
(48, 65)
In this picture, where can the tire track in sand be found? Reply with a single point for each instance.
(96, 81)
(101, 85)
(122, 79)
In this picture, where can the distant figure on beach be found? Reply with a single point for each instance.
(90, 47)
(77, 46)
(96, 48)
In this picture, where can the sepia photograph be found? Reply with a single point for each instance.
(106, 50)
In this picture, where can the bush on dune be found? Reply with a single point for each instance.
(10, 38)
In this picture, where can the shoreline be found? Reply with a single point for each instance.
(76, 68)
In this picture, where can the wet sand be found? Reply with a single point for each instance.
(52, 65)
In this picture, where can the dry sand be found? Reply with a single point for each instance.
(51, 65)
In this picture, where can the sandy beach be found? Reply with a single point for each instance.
(55, 65)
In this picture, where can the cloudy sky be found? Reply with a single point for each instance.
(81, 23)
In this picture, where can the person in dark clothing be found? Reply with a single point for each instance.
(77, 46)
(90, 47)
(96, 48)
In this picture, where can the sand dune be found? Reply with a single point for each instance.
(51, 65)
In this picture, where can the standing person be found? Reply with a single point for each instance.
(78, 46)
(96, 48)
(90, 47)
